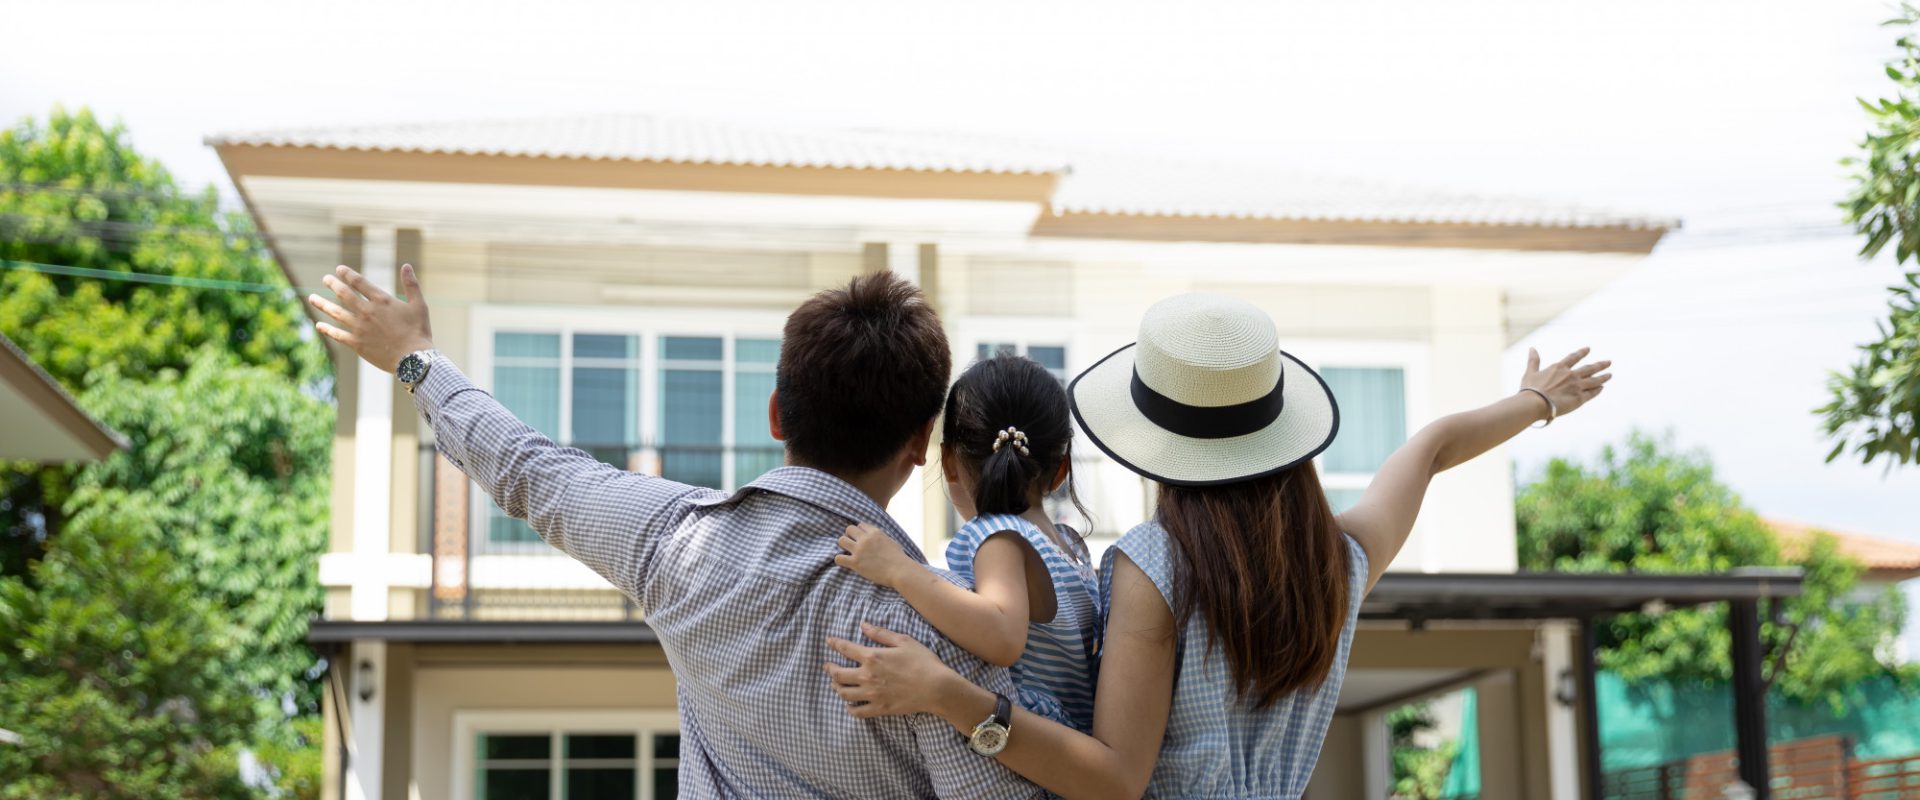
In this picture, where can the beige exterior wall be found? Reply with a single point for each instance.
(450, 679)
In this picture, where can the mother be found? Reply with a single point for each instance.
(1231, 613)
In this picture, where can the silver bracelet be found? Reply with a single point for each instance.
(1552, 410)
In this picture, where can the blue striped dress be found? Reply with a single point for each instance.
(1055, 673)
(1217, 745)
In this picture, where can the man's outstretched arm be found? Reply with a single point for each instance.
(607, 518)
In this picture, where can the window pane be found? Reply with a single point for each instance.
(532, 394)
(666, 784)
(526, 345)
(604, 746)
(596, 345)
(600, 784)
(1373, 416)
(605, 409)
(515, 784)
(687, 348)
(755, 451)
(666, 745)
(988, 350)
(1053, 358)
(690, 425)
(535, 745)
(1343, 499)
(756, 351)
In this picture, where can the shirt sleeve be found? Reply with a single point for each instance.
(607, 518)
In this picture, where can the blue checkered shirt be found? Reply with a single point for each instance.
(1217, 744)
(742, 590)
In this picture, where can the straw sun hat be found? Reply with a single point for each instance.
(1206, 396)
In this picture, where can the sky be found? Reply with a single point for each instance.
(1730, 114)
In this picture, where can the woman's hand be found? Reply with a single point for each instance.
(1567, 382)
(875, 555)
(899, 677)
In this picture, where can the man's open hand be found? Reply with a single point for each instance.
(380, 327)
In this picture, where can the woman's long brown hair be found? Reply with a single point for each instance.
(1263, 563)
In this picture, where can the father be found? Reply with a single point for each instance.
(741, 589)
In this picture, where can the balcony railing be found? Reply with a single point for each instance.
(487, 566)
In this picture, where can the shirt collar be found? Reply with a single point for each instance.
(824, 491)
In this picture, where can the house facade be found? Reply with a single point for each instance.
(621, 282)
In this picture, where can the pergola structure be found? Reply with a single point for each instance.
(1411, 598)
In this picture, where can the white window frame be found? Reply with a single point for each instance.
(1411, 358)
(650, 326)
(556, 723)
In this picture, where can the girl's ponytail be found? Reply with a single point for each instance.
(1007, 477)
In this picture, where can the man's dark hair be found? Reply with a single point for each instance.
(862, 369)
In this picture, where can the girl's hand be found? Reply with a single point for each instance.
(900, 677)
(875, 555)
(1568, 382)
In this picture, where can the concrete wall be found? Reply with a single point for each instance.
(447, 679)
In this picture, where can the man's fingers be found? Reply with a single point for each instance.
(868, 711)
(331, 309)
(411, 283)
(360, 283)
(858, 654)
(844, 560)
(347, 295)
(1574, 357)
(844, 676)
(1533, 360)
(337, 334)
(1590, 370)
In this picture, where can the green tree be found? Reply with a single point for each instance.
(1419, 770)
(115, 675)
(1875, 403)
(207, 371)
(1645, 507)
(74, 193)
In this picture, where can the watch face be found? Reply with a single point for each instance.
(412, 369)
(989, 738)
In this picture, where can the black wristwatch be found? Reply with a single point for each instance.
(990, 737)
(413, 368)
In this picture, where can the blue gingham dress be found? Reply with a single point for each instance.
(1055, 672)
(1217, 745)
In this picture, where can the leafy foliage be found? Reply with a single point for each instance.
(222, 495)
(74, 193)
(1419, 770)
(1875, 404)
(116, 675)
(1646, 508)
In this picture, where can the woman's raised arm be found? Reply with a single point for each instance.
(1384, 516)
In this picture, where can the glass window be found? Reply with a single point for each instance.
(755, 451)
(1343, 499)
(691, 425)
(1373, 417)
(606, 396)
(526, 379)
(590, 766)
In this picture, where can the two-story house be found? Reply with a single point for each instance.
(620, 282)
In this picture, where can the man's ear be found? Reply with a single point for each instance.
(773, 417)
(917, 447)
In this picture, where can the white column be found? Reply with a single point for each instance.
(903, 258)
(1563, 728)
(909, 507)
(368, 679)
(1376, 755)
(373, 451)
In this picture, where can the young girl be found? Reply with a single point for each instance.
(1034, 603)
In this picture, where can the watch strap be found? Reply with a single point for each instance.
(1003, 710)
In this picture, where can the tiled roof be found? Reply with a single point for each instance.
(1873, 552)
(1108, 184)
(1093, 182)
(639, 137)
